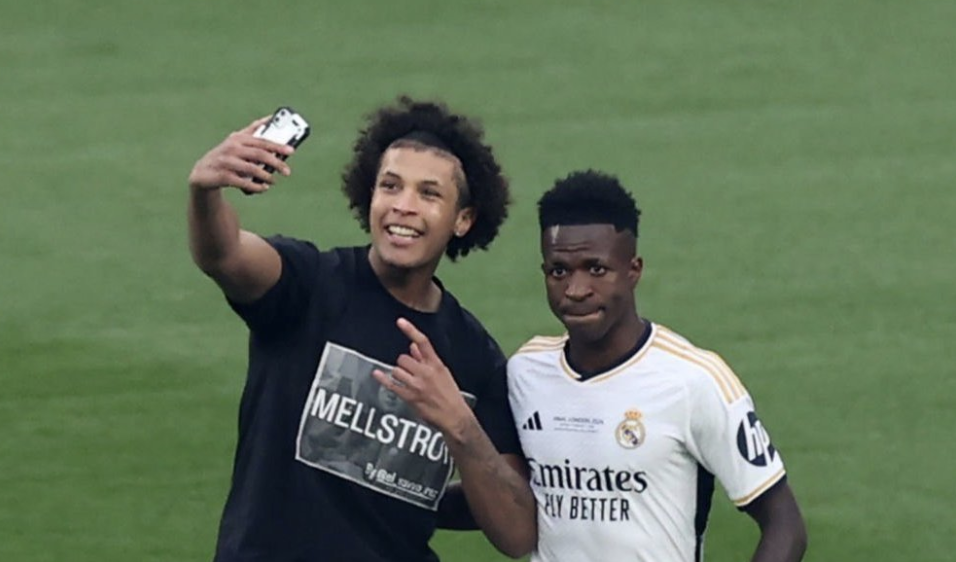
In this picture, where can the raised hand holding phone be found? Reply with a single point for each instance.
(286, 127)
(247, 158)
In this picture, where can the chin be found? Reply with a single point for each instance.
(402, 263)
(398, 258)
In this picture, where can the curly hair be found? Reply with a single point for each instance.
(430, 123)
(589, 197)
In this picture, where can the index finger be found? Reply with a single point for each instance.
(412, 333)
(251, 127)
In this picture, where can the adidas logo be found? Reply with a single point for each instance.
(533, 423)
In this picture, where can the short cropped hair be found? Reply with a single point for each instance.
(430, 124)
(589, 197)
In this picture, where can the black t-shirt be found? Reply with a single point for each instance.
(326, 469)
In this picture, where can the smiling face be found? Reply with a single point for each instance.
(414, 210)
(591, 272)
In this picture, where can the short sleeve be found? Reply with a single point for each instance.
(282, 305)
(493, 409)
(730, 442)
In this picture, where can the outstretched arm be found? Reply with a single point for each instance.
(244, 265)
(783, 535)
(495, 485)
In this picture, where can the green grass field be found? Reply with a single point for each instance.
(796, 162)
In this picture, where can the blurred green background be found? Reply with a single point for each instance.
(795, 162)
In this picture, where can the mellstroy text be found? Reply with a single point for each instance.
(389, 429)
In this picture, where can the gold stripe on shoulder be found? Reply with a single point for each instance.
(761, 488)
(707, 367)
(547, 339)
(716, 363)
(542, 343)
(535, 349)
(734, 380)
(664, 330)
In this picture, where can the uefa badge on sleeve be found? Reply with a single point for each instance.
(630, 432)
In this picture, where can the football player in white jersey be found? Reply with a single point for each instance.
(625, 424)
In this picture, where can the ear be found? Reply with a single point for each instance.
(635, 270)
(464, 221)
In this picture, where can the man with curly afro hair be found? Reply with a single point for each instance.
(325, 469)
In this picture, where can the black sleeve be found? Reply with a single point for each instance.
(454, 513)
(493, 409)
(282, 305)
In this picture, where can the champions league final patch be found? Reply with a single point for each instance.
(630, 433)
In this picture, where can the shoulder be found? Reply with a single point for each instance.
(303, 253)
(540, 351)
(290, 245)
(542, 344)
(468, 328)
(453, 312)
(701, 369)
(297, 255)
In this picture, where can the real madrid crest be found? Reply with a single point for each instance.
(630, 432)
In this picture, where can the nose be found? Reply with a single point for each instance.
(404, 202)
(578, 287)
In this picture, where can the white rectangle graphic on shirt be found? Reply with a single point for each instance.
(357, 429)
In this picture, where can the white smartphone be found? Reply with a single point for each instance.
(285, 127)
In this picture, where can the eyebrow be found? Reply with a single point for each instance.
(427, 181)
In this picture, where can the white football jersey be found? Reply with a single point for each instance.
(623, 463)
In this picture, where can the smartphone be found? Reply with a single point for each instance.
(285, 127)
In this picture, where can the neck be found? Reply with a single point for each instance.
(594, 356)
(413, 287)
